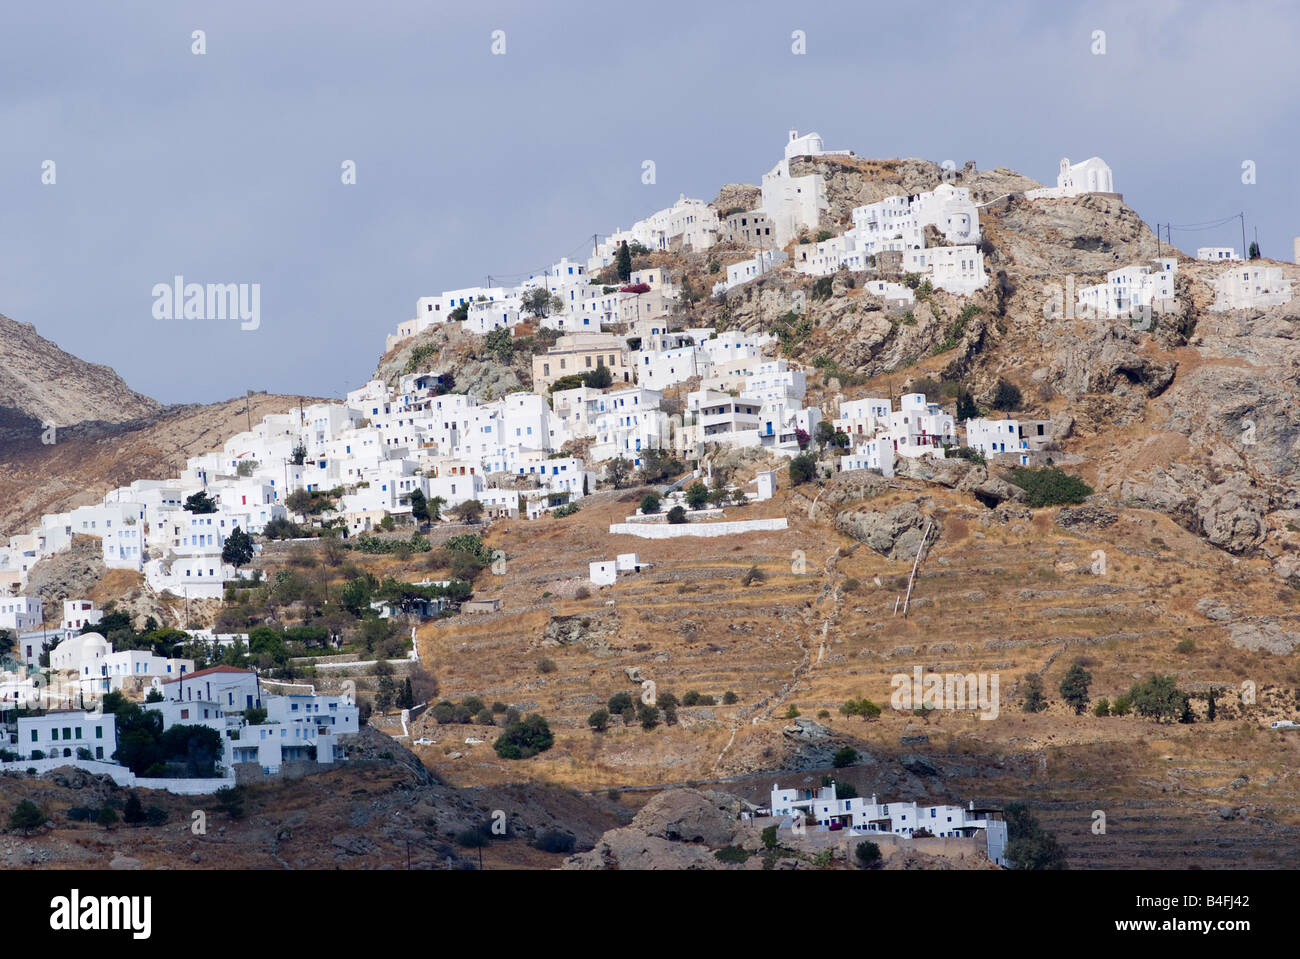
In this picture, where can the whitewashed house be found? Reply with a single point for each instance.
(1250, 287)
(63, 733)
(1217, 253)
(1008, 436)
(21, 613)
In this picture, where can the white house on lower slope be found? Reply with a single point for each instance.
(863, 817)
(1249, 287)
(63, 733)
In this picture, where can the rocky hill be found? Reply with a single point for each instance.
(40, 384)
(89, 459)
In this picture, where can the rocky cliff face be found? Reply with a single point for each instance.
(40, 384)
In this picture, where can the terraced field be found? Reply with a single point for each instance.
(1000, 591)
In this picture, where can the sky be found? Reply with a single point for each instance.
(226, 166)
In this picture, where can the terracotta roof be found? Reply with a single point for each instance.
(208, 672)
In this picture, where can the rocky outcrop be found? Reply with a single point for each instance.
(40, 384)
(895, 533)
(1087, 517)
(1264, 635)
(677, 829)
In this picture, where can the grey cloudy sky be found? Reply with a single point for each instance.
(225, 168)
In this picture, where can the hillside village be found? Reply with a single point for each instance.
(626, 385)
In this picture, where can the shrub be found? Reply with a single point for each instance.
(802, 468)
(524, 739)
(845, 756)
(133, 813)
(677, 515)
(619, 702)
(697, 495)
(599, 720)
(648, 716)
(547, 666)
(554, 840)
(1049, 486)
(732, 854)
(867, 854)
(1102, 708)
(26, 816)
(769, 837)
(754, 575)
(1185, 646)
(729, 698)
(107, 817)
(650, 504)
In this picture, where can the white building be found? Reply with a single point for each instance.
(21, 613)
(762, 262)
(1250, 287)
(1217, 253)
(1089, 176)
(1127, 291)
(860, 816)
(996, 437)
(64, 733)
(234, 690)
(794, 204)
(78, 614)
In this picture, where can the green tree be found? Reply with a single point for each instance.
(524, 739)
(697, 495)
(677, 515)
(966, 408)
(406, 696)
(650, 504)
(1158, 698)
(1253, 254)
(802, 468)
(1102, 708)
(599, 720)
(1029, 846)
(623, 262)
(599, 378)
(133, 813)
(619, 702)
(500, 343)
(200, 502)
(419, 507)
(617, 471)
(1074, 687)
(845, 756)
(26, 817)
(1034, 702)
(470, 511)
(107, 817)
(648, 716)
(1211, 708)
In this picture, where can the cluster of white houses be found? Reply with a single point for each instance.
(519, 455)
(305, 727)
(860, 816)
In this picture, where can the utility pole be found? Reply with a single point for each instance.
(1243, 234)
(248, 408)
